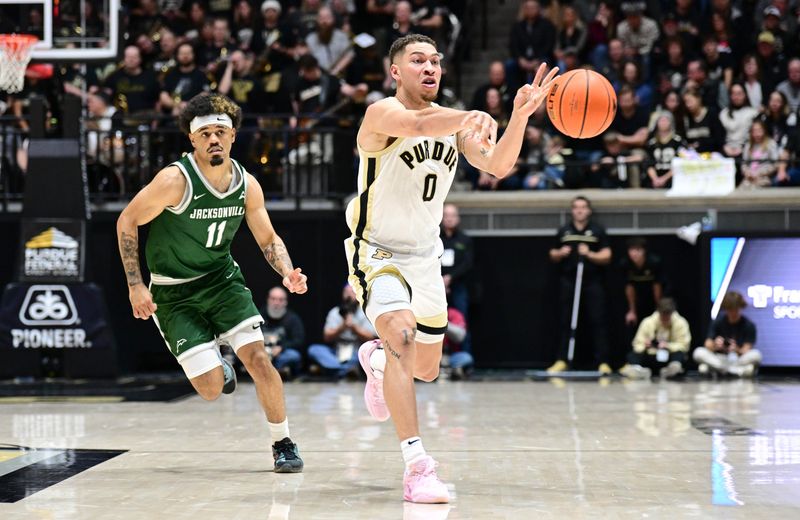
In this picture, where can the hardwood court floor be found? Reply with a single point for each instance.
(509, 450)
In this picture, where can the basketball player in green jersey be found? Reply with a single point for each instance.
(197, 295)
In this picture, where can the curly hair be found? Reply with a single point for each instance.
(400, 44)
(207, 104)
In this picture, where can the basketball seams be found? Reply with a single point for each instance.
(561, 104)
(585, 105)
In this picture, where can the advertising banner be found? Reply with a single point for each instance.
(53, 250)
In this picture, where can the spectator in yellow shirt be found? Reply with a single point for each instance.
(661, 344)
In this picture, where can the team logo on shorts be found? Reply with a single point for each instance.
(382, 254)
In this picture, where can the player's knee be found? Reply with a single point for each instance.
(210, 388)
(209, 384)
(401, 327)
(210, 394)
(259, 365)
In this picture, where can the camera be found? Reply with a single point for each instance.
(654, 343)
(348, 307)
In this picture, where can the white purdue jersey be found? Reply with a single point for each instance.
(401, 193)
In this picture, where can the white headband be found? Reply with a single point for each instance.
(211, 119)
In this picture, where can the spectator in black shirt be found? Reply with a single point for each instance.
(612, 67)
(583, 241)
(729, 346)
(714, 93)
(616, 165)
(316, 90)
(789, 165)
(572, 35)
(644, 285)
(212, 55)
(532, 41)
(497, 80)
(367, 67)
(704, 132)
(776, 116)
(631, 125)
(276, 44)
(661, 149)
(719, 65)
(772, 23)
(144, 19)
(133, 89)
(182, 82)
(671, 74)
(456, 259)
(245, 21)
(687, 16)
(167, 50)
(773, 68)
(284, 334)
(239, 82)
(456, 265)
(196, 21)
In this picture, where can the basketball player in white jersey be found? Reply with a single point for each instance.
(409, 148)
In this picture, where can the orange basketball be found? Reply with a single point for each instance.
(581, 103)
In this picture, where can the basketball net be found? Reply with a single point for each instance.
(15, 53)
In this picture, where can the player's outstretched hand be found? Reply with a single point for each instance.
(296, 281)
(141, 301)
(529, 97)
(482, 125)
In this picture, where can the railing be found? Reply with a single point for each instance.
(313, 160)
(12, 153)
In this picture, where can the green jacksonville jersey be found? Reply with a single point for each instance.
(194, 238)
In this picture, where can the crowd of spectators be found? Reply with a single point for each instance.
(692, 79)
(289, 64)
(718, 76)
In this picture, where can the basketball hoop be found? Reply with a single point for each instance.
(15, 53)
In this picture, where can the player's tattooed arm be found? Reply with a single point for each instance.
(278, 257)
(129, 250)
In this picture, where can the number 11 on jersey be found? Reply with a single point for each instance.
(219, 231)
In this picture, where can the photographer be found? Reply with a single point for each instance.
(661, 344)
(728, 348)
(346, 327)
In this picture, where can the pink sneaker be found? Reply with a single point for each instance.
(422, 486)
(373, 391)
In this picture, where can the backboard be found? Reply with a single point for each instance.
(68, 30)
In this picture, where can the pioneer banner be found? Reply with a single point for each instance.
(69, 318)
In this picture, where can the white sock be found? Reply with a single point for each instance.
(412, 450)
(378, 362)
(279, 431)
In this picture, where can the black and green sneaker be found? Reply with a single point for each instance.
(230, 377)
(287, 458)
